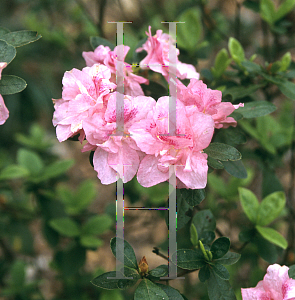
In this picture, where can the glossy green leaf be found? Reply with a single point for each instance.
(236, 50)
(249, 203)
(97, 224)
(131, 273)
(192, 197)
(238, 92)
(30, 160)
(235, 168)
(171, 292)
(215, 164)
(57, 168)
(220, 271)
(90, 241)
(204, 273)
(229, 258)
(189, 33)
(267, 11)
(220, 247)
(219, 289)
(7, 52)
(291, 272)
(251, 67)
(129, 255)
(286, 60)
(273, 236)
(270, 208)
(14, 171)
(149, 291)
(194, 235)
(284, 9)
(10, 84)
(189, 259)
(222, 152)
(65, 226)
(288, 89)
(96, 41)
(104, 281)
(159, 271)
(222, 61)
(256, 109)
(3, 31)
(21, 38)
(204, 221)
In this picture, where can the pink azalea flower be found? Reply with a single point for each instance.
(4, 113)
(276, 285)
(84, 93)
(104, 55)
(113, 151)
(157, 59)
(184, 153)
(208, 101)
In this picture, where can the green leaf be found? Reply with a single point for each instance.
(291, 272)
(65, 226)
(238, 92)
(267, 250)
(267, 11)
(172, 293)
(131, 273)
(221, 271)
(57, 168)
(154, 89)
(251, 67)
(287, 88)
(86, 193)
(96, 41)
(222, 152)
(3, 31)
(235, 168)
(189, 33)
(194, 235)
(90, 241)
(204, 221)
(249, 203)
(236, 50)
(18, 274)
(188, 259)
(129, 255)
(149, 291)
(220, 247)
(30, 160)
(14, 171)
(272, 236)
(286, 60)
(229, 258)
(182, 208)
(219, 289)
(7, 52)
(97, 224)
(270, 208)
(204, 273)
(21, 38)
(192, 197)
(222, 61)
(256, 109)
(215, 164)
(159, 271)
(284, 9)
(10, 84)
(105, 282)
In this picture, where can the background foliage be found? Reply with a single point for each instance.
(54, 214)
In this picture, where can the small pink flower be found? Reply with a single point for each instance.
(157, 59)
(208, 101)
(104, 55)
(84, 93)
(183, 152)
(113, 151)
(276, 285)
(4, 113)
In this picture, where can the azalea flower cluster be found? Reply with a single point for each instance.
(4, 113)
(88, 108)
(276, 285)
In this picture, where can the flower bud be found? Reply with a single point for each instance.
(143, 266)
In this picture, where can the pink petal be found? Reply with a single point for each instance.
(288, 289)
(4, 113)
(148, 173)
